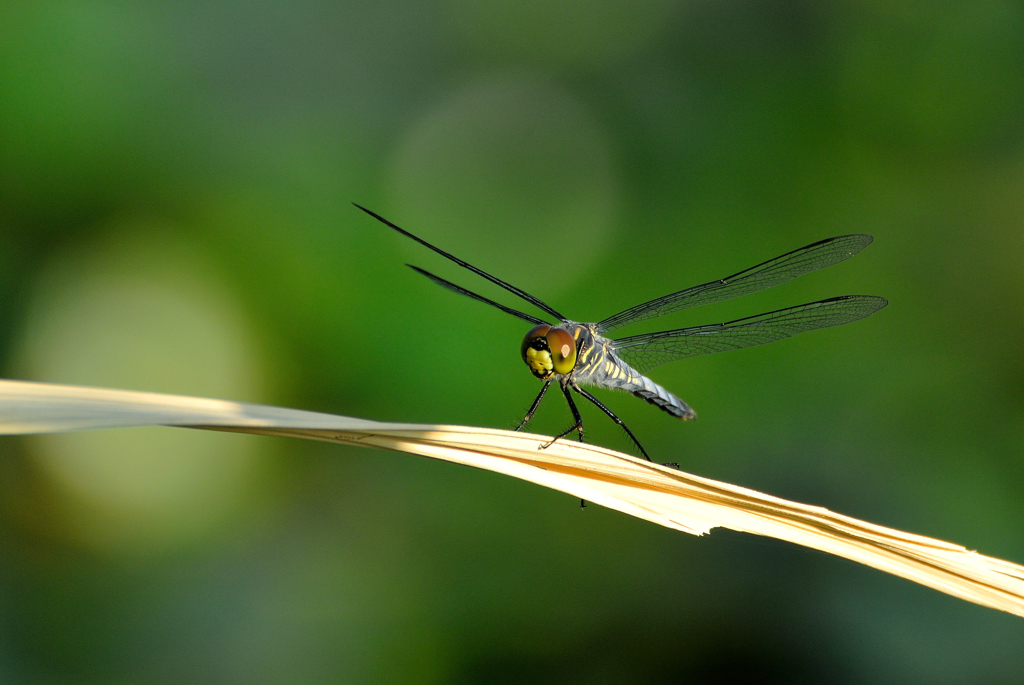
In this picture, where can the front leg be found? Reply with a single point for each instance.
(577, 426)
(533, 408)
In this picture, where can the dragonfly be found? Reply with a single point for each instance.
(574, 354)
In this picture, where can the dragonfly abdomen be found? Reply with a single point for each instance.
(652, 393)
(598, 365)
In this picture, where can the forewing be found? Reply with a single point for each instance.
(650, 350)
(448, 285)
(766, 275)
(466, 265)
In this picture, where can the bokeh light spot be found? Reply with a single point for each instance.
(139, 310)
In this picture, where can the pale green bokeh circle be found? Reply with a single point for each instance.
(573, 32)
(513, 175)
(139, 310)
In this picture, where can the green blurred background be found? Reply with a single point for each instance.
(175, 188)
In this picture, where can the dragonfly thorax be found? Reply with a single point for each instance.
(548, 351)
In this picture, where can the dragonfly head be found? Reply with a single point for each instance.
(548, 351)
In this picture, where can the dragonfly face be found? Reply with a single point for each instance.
(581, 354)
(547, 351)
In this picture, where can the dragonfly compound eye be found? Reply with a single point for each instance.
(563, 350)
(536, 352)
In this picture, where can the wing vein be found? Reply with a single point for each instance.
(765, 275)
(448, 285)
(650, 350)
(466, 265)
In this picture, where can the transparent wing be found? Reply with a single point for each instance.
(466, 265)
(650, 350)
(769, 274)
(448, 285)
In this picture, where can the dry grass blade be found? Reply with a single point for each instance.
(663, 495)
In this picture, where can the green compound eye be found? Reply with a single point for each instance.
(563, 350)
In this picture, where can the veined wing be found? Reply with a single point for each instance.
(466, 265)
(448, 285)
(766, 275)
(650, 350)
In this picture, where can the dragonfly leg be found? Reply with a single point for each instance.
(577, 426)
(533, 407)
(614, 418)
